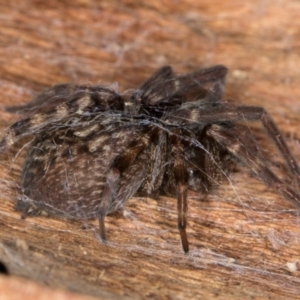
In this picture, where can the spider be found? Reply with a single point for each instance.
(92, 148)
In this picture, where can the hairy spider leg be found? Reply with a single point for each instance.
(210, 161)
(59, 107)
(196, 81)
(232, 112)
(14, 133)
(164, 85)
(44, 115)
(181, 179)
(119, 166)
(61, 90)
(236, 143)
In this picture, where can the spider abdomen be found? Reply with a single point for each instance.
(65, 173)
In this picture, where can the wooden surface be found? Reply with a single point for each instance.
(244, 237)
(15, 288)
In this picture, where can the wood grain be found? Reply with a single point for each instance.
(244, 237)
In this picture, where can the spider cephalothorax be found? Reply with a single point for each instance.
(93, 148)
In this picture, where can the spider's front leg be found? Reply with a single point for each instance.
(165, 87)
(209, 81)
(181, 179)
(233, 113)
(239, 145)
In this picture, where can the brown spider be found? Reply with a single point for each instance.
(93, 148)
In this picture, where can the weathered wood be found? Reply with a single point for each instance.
(18, 288)
(244, 237)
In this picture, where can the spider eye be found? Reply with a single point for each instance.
(132, 103)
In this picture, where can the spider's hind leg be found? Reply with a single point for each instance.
(57, 104)
(37, 111)
(61, 90)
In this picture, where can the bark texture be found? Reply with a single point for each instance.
(244, 238)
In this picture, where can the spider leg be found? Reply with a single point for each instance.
(211, 162)
(156, 88)
(27, 209)
(164, 74)
(181, 179)
(61, 90)
(38, 119)
(58, 108)
(112, 181)
(197, 81)
(237, 144)
(164, 86)
(119, 166)
(227, 113)
(204, 160)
